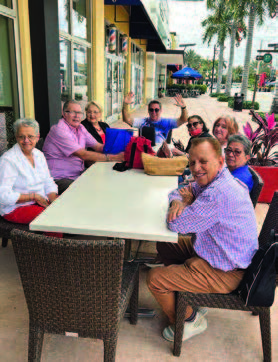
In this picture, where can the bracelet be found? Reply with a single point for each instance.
(183, 107)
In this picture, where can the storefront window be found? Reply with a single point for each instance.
(74, 50)
(79, 19)
(137, 73)
(7, 3)
(65, 70)
(6, 94)
(64, 10)
(80, 73)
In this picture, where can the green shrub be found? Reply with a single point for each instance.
(245, 104)
(215, 94)
(248, 105)
(223, 98)
(201, 87)
(231, 103)
(262, 114)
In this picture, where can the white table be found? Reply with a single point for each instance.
(104, 202)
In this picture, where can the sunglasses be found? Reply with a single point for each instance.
(194, 124)
(156, 110)
(228, 151)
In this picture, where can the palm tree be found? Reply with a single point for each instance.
(257, 10)
(192, 59)
(218, 24)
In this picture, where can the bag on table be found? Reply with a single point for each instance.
(257, 287)
(134, 150)
(156, 166)
(116, 140)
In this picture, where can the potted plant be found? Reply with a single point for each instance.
(264, 155)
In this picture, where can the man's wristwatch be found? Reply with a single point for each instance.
(183, 107)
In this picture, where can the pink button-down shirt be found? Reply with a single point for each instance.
(60, 144)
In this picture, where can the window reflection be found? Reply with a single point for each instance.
(79, 19)
(80, 73)
(65, 70)
(63, 8)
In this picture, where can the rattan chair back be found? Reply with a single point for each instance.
(72, 286)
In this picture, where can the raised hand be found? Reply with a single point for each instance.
(179, 101)
(129, 98)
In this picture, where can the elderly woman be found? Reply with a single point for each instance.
(223, 128)
(26, 187)
(237, 154)
(196, 128)
(93, 122)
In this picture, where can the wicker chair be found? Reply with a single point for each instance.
(257, 188)
(232, 300)
(79, 286)
(6, 228)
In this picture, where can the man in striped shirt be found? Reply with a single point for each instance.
(218, 210)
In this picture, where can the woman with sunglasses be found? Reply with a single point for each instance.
(223, 128)
(196, 128)
(93, 121)
(237, 154)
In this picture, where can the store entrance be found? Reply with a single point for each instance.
(114, 92)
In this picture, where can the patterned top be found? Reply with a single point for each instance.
(223, 218)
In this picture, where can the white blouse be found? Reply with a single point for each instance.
(18, 176)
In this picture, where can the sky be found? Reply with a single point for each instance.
(185, 20)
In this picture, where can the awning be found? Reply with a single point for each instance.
(141, 25)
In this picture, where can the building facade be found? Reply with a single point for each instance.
(55, 50)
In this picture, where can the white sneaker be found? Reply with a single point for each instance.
(190, 329)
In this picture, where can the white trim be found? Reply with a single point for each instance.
(5, 11)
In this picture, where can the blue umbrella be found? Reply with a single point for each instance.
(187, 73)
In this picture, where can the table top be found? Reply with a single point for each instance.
(104, 202)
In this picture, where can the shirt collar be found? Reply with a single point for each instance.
(73, 129)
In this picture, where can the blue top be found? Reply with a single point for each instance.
(244, 175)
(162, 127)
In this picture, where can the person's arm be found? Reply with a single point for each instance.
(183, 197)
(98, 157)
(52, 196)
(128, 100)
(32, 196)
(184, 115)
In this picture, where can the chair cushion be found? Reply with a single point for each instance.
(156, 166)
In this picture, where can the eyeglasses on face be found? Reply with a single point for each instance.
(74, 113)
(236, 153)
(156, 110)
(194, 124)
(30, 138)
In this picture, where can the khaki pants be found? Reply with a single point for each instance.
(195, 275)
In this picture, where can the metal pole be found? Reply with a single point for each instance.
(212, 74)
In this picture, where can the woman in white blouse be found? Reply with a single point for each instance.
(26, 187)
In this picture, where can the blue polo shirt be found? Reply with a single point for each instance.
(244, 175)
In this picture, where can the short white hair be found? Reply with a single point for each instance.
(26, 122)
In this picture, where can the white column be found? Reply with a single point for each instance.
(150, 76)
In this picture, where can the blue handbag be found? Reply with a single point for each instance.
(116, 140)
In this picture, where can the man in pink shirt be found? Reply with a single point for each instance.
(65, 147)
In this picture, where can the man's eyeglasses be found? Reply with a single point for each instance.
(30, 138)
(73, 113)
(156, 110)
(236, 153)
(194, 124)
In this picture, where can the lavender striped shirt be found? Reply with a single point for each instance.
(223, 218)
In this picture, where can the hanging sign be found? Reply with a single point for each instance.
(112, 38)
